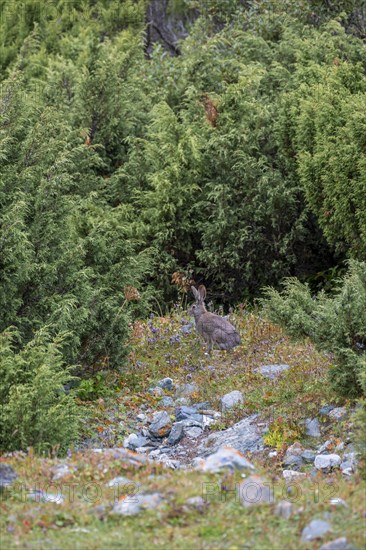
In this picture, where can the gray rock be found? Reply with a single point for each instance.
(141, 417)
(326, 409)
(308, 455)
(284, 509)
(316, 529)
(167, 401)
(186, 390)
(7, 475)
(292, 474)
(337, 544)
(60, 471)
(134, 504)
(243, 436)
(293, 460)
(255, 491)
(312, 427)
(193, 432)
(347, 468)
(230, 400)
(272, 371)
(166, 384)
(176, 434)
(44, 496)
(338, 413)
(325, 446)
(184, 412)
(326, 462)
(224, 458)
(161, 424)
(351, 457)
(156, 391)
(338, 502)
(197, 503)
(182, 401)
(120, 481)
(201, 406)
(133, 441)
(295, 449)
(187, 329)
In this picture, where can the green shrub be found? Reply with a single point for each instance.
(36, 411)
(336, 323)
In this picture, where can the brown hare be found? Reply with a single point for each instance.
(215, 330)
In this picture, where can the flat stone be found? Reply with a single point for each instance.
(184, 412)
(193, 432)
(141, 417)
(133, 441)
(338, 413)
(176, 434)
(134, 504)
(161, 424)
(243, 436)
(7, 475)
(326, 462)
(255, 491)
(312, 427)
(224, 458)
(308, 455)
(337, 544)
(284, 509)
(272, 371)
(201, 406)
(316, 529)
(230, 400)
(166, 384)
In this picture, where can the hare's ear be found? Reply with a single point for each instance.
(195, 293)
(202, 292)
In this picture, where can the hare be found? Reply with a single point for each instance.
(214, 329)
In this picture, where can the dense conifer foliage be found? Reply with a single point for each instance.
(239, 161)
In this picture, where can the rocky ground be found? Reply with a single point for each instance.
(245, 449)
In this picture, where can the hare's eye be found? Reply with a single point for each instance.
(194, 306)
